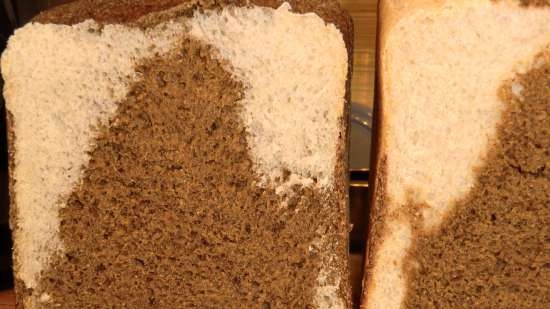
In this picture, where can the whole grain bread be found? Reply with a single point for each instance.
(145, 15)
(460, 182)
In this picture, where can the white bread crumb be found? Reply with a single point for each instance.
(517, 90)
(45, 298)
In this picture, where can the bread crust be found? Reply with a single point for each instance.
(133, 12)
(377, 173)
(19, 286)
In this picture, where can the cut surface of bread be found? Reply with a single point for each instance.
(188, 154)
(461, 181)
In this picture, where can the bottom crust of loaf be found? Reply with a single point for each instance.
(170, 214)
(492, 251)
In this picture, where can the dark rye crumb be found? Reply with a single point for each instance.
(169, 211)
(492, 252)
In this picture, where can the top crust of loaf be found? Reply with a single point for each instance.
(125, 11)
(391, 12)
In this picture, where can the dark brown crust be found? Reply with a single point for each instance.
(109, 11)
(19, 286)
(345, 24)
(528, 3)
(538, 3)
(127, 11)
(378, 168)
(103, 11)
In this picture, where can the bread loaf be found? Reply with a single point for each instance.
(460, 215)
(180, 154)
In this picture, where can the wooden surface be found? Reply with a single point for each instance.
(7, 300)
(363, 13)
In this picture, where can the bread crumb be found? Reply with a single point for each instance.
(282, 85)
(517, 90)
(45, 298)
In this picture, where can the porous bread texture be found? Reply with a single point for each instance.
(309, 65)
(460, 116)
(328, 280)
(293, 65)
(326, 294)
(61, 82)
(441, 69)
(286, 133)
(286, 61)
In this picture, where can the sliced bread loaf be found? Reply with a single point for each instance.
(460, 215)
(180, 154)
